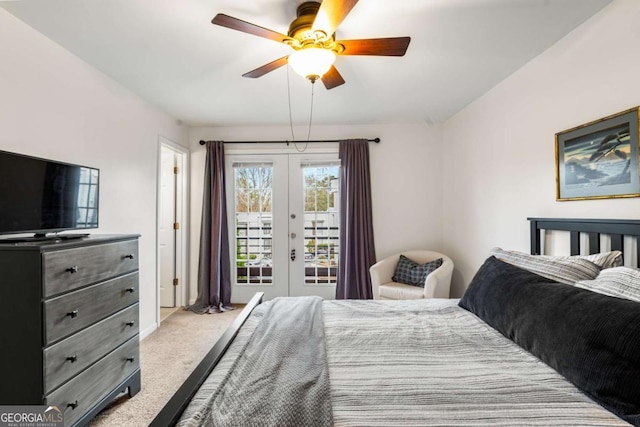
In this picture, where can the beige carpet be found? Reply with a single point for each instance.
(167, 356)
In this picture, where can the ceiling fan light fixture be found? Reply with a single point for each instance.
(312, 62)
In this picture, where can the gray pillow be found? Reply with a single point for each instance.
(411, 273)
(561, 269)
(621, 282)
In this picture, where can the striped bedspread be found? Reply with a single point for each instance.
(428, 363)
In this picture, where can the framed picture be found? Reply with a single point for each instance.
(599, 160)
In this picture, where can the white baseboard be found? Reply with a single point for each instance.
(148, 331)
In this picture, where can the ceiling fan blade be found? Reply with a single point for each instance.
(332, 78)
(331, 14)
(267, 68)
(393, 46)
(247, 27)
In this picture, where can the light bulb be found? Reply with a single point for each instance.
(312, 62)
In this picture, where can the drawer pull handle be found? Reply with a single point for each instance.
(130, 256)
(73, 359)
(73, 314)
(72, 405)
(130, 323)
(130, 290)
(72, 270)
(131, 359)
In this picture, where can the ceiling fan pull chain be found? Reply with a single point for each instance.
(310, 119)
(310, 115)
(293, 138)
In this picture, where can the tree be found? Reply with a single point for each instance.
(253, 189)
(318, 197)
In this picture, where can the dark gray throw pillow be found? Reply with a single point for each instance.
(593, 340)
(411, 273)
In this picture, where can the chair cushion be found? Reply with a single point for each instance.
(394, 290)
(412, 273)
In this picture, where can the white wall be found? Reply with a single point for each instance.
(406, 180)
(56, 106)
(499, 158)
(461, 188)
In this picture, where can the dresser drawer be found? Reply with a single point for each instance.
(78, 395)
(71, 312)
(70, 356)
(68, 269)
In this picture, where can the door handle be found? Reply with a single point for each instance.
(293, 254)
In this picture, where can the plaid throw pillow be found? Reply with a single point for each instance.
(411, 273)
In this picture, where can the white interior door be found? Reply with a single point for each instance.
(166, 232)
(283, 215)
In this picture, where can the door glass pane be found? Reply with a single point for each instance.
(321, 222)
(253, 219)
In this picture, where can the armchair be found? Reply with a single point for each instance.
(436, 285)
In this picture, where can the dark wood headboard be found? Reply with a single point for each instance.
(616, 229)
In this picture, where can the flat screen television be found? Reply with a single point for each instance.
(44, 196)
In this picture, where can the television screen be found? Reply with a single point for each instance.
(41, 196)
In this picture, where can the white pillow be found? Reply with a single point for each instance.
(563, 269)
(621, 282)
(604, 259)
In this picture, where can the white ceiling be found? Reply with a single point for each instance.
(169, 53)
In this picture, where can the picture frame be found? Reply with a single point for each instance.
(599, 160)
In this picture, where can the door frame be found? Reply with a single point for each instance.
(182, 217)
(237, 154)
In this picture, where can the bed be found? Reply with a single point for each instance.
(517, 349)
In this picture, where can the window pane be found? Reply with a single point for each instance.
(254, 234)
(87, 215)
(322, 221)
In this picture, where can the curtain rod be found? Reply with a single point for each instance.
(376, 140)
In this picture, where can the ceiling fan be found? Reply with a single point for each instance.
(312, 37)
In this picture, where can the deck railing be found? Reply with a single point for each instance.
(324, 254)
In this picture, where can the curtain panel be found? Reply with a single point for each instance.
(357, 251)
(214, 267)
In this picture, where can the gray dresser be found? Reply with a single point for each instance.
(69, 332)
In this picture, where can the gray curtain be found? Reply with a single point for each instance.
(214, 268)
(357, 251)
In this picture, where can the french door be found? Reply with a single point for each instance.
(284, 217)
